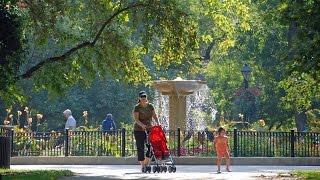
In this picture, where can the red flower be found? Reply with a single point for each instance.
(254, 91)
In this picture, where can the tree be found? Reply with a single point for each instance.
(98, 39)
(104, 96)
(72, 42)
(276, 48)
(10, 47)
(302, 88)
(302, 18)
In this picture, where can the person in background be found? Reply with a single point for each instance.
(108, 125)
(222, 148)
(71, 122)
(209, 134)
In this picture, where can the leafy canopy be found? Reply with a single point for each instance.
(71, 42)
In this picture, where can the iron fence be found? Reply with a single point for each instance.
(180, 143)
(5, 146)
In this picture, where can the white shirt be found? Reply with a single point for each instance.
(71, 123)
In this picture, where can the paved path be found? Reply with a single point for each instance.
(183, 172)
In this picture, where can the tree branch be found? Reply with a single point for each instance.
(30, 72)
(207, 54)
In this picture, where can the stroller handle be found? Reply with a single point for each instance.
(150, 127)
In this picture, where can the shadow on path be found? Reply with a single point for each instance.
(186, 172)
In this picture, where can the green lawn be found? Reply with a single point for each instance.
(312, 175)
(33, 174)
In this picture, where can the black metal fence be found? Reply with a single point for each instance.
(5, 146)
(274, 144)
(180, 143)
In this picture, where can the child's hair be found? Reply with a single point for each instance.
(221, 129)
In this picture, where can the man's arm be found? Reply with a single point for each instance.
(68, 124)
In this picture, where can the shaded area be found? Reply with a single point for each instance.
(183, 172)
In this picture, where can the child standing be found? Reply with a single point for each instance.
(222, 148)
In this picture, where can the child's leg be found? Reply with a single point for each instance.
(228, 163)
(146, 161)
(219, 162)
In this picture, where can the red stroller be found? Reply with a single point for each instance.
(161, 157)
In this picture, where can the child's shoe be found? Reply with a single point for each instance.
(218, 171)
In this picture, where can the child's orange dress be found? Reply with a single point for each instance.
(221, 143)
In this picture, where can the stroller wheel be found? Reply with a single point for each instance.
(158, 169)
(174, 169)
(169, 169)
(164, 168)
(154, 169)
(148, 169)
(161, 168)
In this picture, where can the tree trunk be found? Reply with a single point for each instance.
(301, 121)
(292, 32)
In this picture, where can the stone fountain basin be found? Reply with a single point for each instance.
(178, 87)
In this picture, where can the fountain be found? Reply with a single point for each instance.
(177, 91)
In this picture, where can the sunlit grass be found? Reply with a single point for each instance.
(33, 174)
(312, 174)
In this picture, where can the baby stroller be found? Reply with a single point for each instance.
(161, 158)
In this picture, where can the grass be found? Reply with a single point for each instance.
(305, 174)
(312, 175)
(33, 174)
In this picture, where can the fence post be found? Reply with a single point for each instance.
(235, 142)
(178, 143)
(66, 151)
(123, 140)
(292, 142)
(12, 133)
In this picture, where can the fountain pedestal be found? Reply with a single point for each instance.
(177, 112)
(177, 90)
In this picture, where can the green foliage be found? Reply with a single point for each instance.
(10, 48)
(34, 174)
(64, 45)
(303, 70)
(70, 43)
(224, 78)
(307, 174)
(303, 18)
(314, 120)
(103, 97)
(295, 86)
(121, 46)
(95, 143)
(276, 50)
